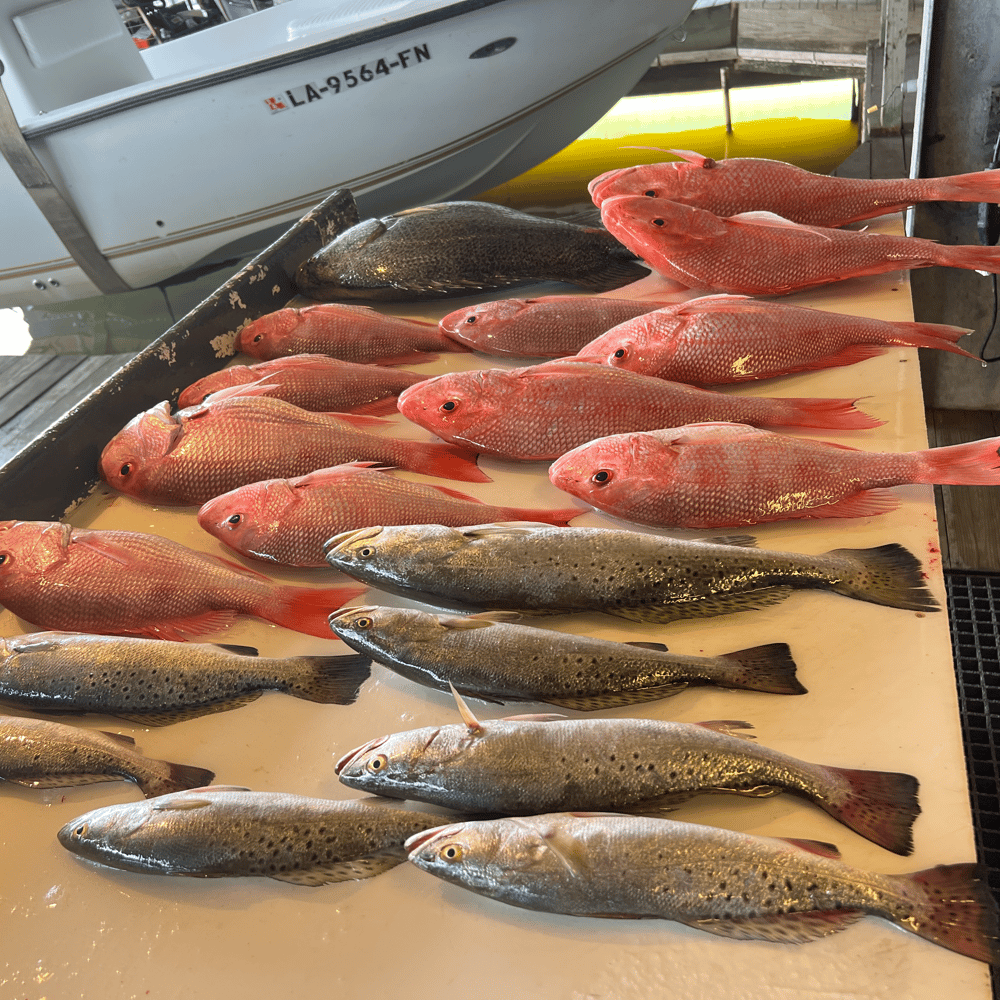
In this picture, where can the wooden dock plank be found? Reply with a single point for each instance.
(77, 375)
(27, 379)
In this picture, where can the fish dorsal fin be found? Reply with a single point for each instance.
(191, 799)
(692, 157)
(820, 847)
(534, 717)
(125, 741)
(742, 541)
(474, 726)
(455, 623)
(510, 528)
(728, 727)
(771, 220)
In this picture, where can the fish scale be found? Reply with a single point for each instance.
(541, 412)
(762, 254)
(517, 766)
(536, 569)
(746, 184)
(226, 831)
(718, 339)
(716, 475)
(731, 884)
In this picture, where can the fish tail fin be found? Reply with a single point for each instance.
(980, 185)
(173, 778)
(880, 805)
(929, 334)
(764, 668)
(976, 463)
(890, 575)
(330, 680)
(560, 517)
(953, 907)
(445, 460)
(306, 609)
(818, 412)
(972, 257)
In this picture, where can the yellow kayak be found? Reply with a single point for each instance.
(813, 124)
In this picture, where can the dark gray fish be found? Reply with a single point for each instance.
(42, 754)
(156, 682)
(540, 569)
(520, 766)
(459, 248)
(732, 884)
(488, 657)
(228, 831)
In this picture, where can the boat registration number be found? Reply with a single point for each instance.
(348, 79)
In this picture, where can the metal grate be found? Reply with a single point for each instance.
(974, 610)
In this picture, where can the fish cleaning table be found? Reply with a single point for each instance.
(881, 695)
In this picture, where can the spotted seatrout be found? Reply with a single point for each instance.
(50, 755)
(539, 569)
(732, 884)
(227, 831)
(488, 657)
(157, 681)
(522, 765)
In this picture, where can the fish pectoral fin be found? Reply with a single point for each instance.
(534, 717)
(105, 548)
(742, 541)
(454, 623)
(660, 805)
(344, 871)
(730, 727)
(232, 647)
(656, 647)
(120, 738)
(509, 528)
(754, 792)
(789, 928)
(183, 629)
(774, 221)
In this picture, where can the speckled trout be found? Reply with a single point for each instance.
(41, 754)
(489, 657)
(229, 831)
(156, 682)
(540, 569)
(521, 765)
(732, 884)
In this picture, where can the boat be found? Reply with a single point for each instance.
(816, 126)
(125, 166)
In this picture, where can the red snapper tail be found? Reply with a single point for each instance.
(819, 412)
(981, 185)
(974, 464)
(306, 609)
(972, 258)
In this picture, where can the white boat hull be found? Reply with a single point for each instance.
(401, 118)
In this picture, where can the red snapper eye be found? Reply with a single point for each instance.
(126, 470)
(470, 319)
(5, 559)
(258, 338)
(601, 478)
(620, 353)
(234, 519)
(650, 193)
(448, 405)
(657, 222)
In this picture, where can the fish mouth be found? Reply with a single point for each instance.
(419, 840)
(340, 541)
(353, 755)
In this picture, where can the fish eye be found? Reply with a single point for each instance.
(657, 222)
(363, 623)
(470, 319)
(451, 852)
(448, 405)
(367, 552)
(650, 193)
(378, 763)
(620, 353)
(125, 470)
(601, 477)
(4, 558)
(234, 519)
(81, 830)
(258, 338)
